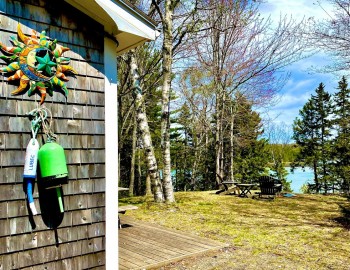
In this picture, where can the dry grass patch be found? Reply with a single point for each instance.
(303, 232)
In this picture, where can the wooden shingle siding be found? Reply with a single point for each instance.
(77, 242)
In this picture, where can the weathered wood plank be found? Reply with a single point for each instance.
(81, 217)
(76, 202)
(71, 249)
(96, 200)
(68, 126)
(12, 158)
(29, 240)
(11, 175)
(138, 259)
(84, 201)
(67, 220)
(127, 238)
(98, 214)
(6, 23)
(71, 111)
(100, 185)
(10, 261)
(18, 208)
(87, 246)
(94, 69)
(20, 225)
(3, 210)
(4, 247)
(146, 253)
(96, 230)
(12, 192)
(83, 171)
(96, 259)
(17, 243)
(69, 234)
(142, 242)
(2, 141)
(4, 123)
(8, 107)
(45, 238)
(96, 170)
(73, 156)
(18, 124)
(75, 96)
(16, 141)
(83, 186)
(92, 156)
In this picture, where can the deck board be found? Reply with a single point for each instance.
(143, 245)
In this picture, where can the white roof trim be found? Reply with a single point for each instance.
(128, 26)
(125, 21)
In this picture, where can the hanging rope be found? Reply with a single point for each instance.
(42, 117)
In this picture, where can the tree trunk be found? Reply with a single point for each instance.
(142, 122)
(316, 177)
(133, 154)
(139, 172)
(165, 122)
(218, 140)
(232, 122)
(148, 185)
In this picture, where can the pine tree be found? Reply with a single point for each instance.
(250, 151)
(341, 153)
(312, 134)
(322, 101)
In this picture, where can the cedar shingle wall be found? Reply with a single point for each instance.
(28, 242)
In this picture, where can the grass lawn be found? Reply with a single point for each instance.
(302, 232)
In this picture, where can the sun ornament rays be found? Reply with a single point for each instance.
(37, 63)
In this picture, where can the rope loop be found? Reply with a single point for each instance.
(41, 117)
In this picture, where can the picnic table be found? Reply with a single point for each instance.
(245, 189)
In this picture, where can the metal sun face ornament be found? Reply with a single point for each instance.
(37, 63)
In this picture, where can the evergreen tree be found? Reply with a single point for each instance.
(183, 157)
(341, 153)
(322, 101)
(312, 134)
(250, 151)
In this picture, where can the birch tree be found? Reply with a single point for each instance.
(142, 123)
(171, 41)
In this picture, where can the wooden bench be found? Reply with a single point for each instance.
(122, 210)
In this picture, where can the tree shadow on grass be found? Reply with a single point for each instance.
(344, 220)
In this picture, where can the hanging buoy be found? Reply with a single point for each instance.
(31, 159)
(53, 167)
(29, 174)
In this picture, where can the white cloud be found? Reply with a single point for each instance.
(299, 9)
(304, 80)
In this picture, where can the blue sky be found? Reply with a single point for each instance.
(303, 81)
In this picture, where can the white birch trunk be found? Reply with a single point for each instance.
(165, 122)
(142, 122)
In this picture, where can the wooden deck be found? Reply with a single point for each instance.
(144, 246)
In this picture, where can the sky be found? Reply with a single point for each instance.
(303, 81)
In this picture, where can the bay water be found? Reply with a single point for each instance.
(299, 177)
